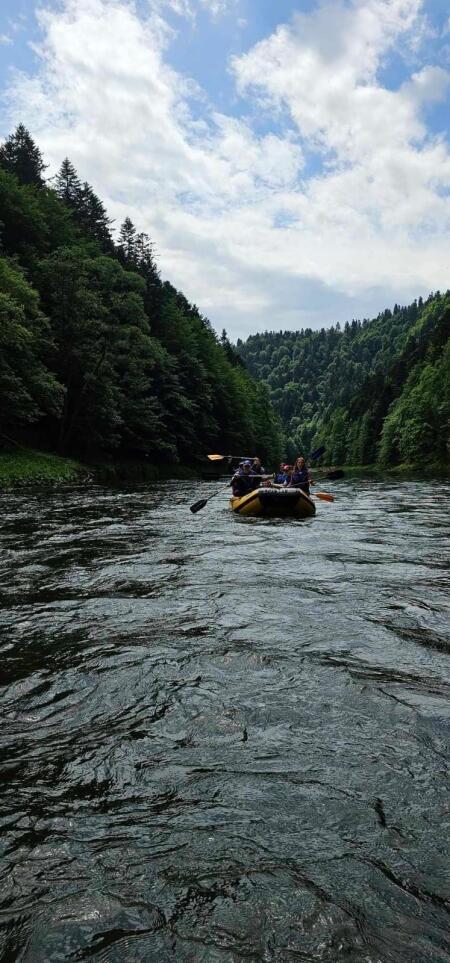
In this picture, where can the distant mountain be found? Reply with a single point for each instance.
(373, 391)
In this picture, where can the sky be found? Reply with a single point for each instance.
(288, 158)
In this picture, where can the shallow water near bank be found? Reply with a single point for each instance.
(225, 739)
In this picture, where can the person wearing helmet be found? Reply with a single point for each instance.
(247, 482)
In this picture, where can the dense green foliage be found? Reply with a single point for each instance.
(97, 353)
(375, 391)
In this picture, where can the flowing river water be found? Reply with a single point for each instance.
(224, 739)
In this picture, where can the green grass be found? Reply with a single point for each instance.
(25, 466)
(28, 467)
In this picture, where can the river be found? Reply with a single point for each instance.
(225, 739)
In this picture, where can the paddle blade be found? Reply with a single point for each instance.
(197, 506)
(216, 457)
(334, 475)
(317, 454)
(324, 496)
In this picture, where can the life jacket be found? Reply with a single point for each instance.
(243, 484)
(300, 479)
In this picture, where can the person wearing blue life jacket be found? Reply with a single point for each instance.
(301, 476)
(245, 483)
(282, 475)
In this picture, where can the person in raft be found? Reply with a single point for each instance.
(282, 475)
(245, 483)
(301, 476)
(257, 468)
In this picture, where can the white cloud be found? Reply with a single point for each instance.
(241, 226)
(217, 7)
(5, 39)
(428, 85)
(190, 8)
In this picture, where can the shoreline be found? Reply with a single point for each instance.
(30, 468)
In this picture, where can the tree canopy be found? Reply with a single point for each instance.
(98, 352)
(375, 390)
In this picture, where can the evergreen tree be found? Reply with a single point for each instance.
(147, 267)
(28, 390)
(88, 211)
(68, 185)
(92, 217)
(19, 155)
(128, 244)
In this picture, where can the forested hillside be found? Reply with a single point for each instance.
(97, 353)
(373, 391)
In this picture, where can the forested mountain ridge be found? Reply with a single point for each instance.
(373, 391)
(97, 353)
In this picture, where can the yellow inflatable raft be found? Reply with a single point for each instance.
(275, 503)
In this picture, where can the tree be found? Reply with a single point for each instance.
(147, 267)
(20, 155)
(127, 246)
(92, 217)
(68, 185)
(87, 209)
(28, 389)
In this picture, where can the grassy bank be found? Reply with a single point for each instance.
(24, 466)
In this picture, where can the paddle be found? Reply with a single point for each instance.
(223, 457)
(197, 506)
(316, 454)
(325, 496)
(331, 475)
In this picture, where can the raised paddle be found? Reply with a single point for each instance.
(313, 457)
(330, 476)
(316, 454)
(224, 457)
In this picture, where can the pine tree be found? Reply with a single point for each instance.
(19, 155)
(92, 216)
(127, 243)
(68, 185)
(146, 265)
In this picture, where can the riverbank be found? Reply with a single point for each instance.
(26, 467)
(401, 470)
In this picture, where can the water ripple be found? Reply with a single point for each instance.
(224, 739)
